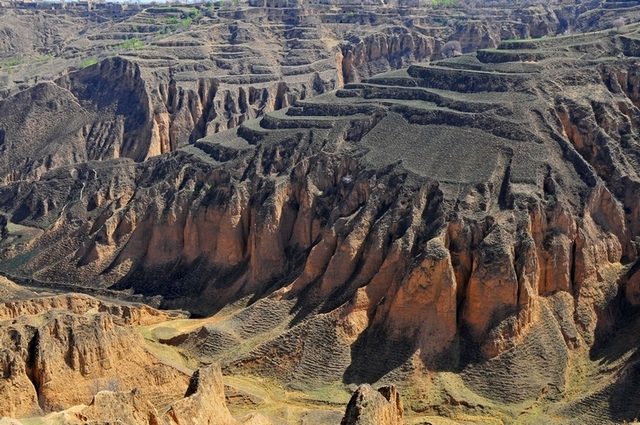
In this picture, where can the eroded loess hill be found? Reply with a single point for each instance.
(59, 351)
(467, 229)
(152, 80)
(74, 359)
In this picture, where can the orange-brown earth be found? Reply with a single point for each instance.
(467, 229)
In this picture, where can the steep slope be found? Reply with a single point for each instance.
(101, 113)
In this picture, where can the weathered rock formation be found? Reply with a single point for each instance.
(110, 406)
(137, 315)
(60, 351)
(204, 400)
(203, 403)
(370, 407)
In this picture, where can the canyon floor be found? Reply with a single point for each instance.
(249, 214)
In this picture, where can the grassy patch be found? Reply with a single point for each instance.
(193, 14)
(130, 44)
(444, 3)
(11, 63)
(33, 421)
(171, 355)
(606, 59)
(88, 63)
(334, 393)
(169, 329)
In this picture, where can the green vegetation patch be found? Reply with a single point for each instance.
(88, 63)
(334, 393)
(184, 22)
(444, 3)
(11, 63)
(625, 140)
(132, 43)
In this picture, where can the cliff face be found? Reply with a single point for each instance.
(368, 406)
(60, 351)
(100, 113)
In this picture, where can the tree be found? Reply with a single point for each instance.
(451, 48)
(620, 22)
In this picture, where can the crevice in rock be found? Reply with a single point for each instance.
(31, 367)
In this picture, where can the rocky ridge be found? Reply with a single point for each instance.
(51, 342)
(368, 406)
(203, 403)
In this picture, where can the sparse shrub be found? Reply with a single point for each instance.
(12, 62)
(451, 48)
(620, 22)
(185, 22)
(551, 199)
(348, 16)
(636, 245)
(625, 140)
